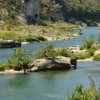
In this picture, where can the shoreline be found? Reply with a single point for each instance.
(85, 60)
(13, 72)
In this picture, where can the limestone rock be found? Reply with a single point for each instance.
(58, 63)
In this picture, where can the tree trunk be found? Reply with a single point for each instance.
(25, 72)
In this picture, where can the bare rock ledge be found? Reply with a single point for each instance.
(58, 63)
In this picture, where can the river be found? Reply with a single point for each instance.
(51, 85)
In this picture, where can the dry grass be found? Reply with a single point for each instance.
(58, 30)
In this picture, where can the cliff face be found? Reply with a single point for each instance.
(35, 11)
(11, 10)
(30, 11)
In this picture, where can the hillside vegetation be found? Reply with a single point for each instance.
(54, 10)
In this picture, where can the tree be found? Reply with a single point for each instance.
(19, 60)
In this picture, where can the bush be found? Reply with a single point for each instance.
(46, 51)
(19, 60)
(91, 51)
(8, 35)
(83, 56)
(64, 52)
(87, 43)
(30, 38)
(97, 57)
(39, 38)
(99, 38)
(91, 93)
(4, 67)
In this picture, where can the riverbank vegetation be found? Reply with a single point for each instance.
(19, 60)
(88, 50)
(12, 35)
(90, 93)
(47, 50)
(97, 57)
(51, 31)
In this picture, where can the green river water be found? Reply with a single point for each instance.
(51, 85)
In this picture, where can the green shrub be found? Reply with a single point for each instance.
(99, 38)
(46, 51)
(97, 57)
(83, 56)
(91, 93)
(8, 35)
(88, 43)
(39, 38)
(64, 52)
(30, 38)
(4, 67)
(19, 60)
(91, 51)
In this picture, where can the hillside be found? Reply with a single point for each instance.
(35, 11)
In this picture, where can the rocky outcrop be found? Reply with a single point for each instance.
(9, 44)
(58, 63)
(31, 11)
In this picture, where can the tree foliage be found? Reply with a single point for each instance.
(91, 93)
(19, 60)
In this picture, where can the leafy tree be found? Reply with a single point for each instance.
(19, 60)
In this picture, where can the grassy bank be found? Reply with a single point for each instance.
(49, 31)
(13, 35)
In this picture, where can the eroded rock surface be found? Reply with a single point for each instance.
(58, 63)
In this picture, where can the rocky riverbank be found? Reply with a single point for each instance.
(45, 64)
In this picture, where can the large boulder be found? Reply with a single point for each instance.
(58, 63)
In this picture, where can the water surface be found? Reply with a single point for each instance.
(87, 32)
(52, 85)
